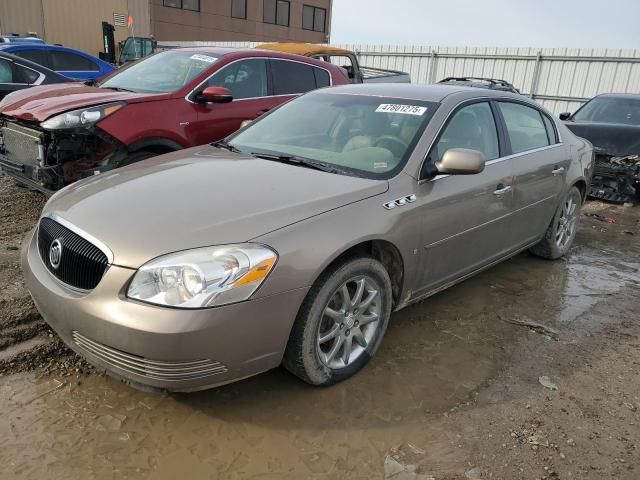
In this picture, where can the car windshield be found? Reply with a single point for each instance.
(161, 73)
(610, 110)
(360, 135)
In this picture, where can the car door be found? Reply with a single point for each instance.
(539, 163)
(466, 217)
(74, 66)
(247, 79)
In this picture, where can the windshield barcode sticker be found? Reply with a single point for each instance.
(405, 109)
(203, 58)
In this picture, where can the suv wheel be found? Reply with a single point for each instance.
(341, 322)
(562, 231)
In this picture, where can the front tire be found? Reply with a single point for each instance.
(561, 233)
(341, 322)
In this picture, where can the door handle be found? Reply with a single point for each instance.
(557, 171)
(501, 190)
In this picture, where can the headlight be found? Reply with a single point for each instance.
(203, 277)
(83, 117)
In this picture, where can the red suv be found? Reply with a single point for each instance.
(54, 135)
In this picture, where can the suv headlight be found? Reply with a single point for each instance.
(84, 117)
(203, 277)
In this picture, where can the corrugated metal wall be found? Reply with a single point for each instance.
(561, 79)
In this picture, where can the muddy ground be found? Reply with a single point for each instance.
(455, 391)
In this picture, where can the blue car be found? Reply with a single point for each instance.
(68, 62)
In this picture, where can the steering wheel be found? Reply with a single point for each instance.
(392, 143)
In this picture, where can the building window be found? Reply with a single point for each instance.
(193, 5)
(239, 9)
(276, 11)
(314, 18)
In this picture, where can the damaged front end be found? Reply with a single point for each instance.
(616, 178)
(51, 159)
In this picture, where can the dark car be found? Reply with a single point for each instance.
(17, 74)
(69, 62)
(611, 122)
(165, 102)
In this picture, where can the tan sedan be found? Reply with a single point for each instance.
(293, 242)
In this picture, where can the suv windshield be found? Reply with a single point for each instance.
(610, 110)
(161, 73)
(362, 135)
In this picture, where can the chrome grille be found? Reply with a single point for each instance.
(22, 145)
(82, 264)
(152, 369)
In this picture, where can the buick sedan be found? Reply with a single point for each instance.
(293, 241)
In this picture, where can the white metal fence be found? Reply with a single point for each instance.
(559, 78)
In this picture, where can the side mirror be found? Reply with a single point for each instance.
(215, 95)
(565, 115)
(245, 123)
(461, 161)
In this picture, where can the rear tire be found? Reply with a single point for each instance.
(341, 322)
(561, 233)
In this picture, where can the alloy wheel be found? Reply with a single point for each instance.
(349, 322)
(567, 223)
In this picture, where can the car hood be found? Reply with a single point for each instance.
(199, 197)
(609, 138)
(40, 103)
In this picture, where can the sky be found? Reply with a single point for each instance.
(489, 23)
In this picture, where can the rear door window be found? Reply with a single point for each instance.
(322, 77)
(30, 75)
(7, 72)
(245, 78)
(292, 78)
(525, 127)
(41, 57)
(71, 62)
(551, 131)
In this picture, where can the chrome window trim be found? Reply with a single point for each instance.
(501, 159)
(78, 231)
(256, 98)
(495, 160)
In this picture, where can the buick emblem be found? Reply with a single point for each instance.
(55, 253)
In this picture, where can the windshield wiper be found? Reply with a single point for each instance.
(226, 146)
(294, 160)
(119, 89)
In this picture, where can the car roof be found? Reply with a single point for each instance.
(619, 95)
(427, 93)
(238, 53)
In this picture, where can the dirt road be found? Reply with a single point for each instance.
(455, 391)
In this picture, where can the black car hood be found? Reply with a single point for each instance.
(609, 138)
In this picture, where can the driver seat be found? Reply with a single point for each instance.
(375, 126)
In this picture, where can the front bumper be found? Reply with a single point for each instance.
(163, 348)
